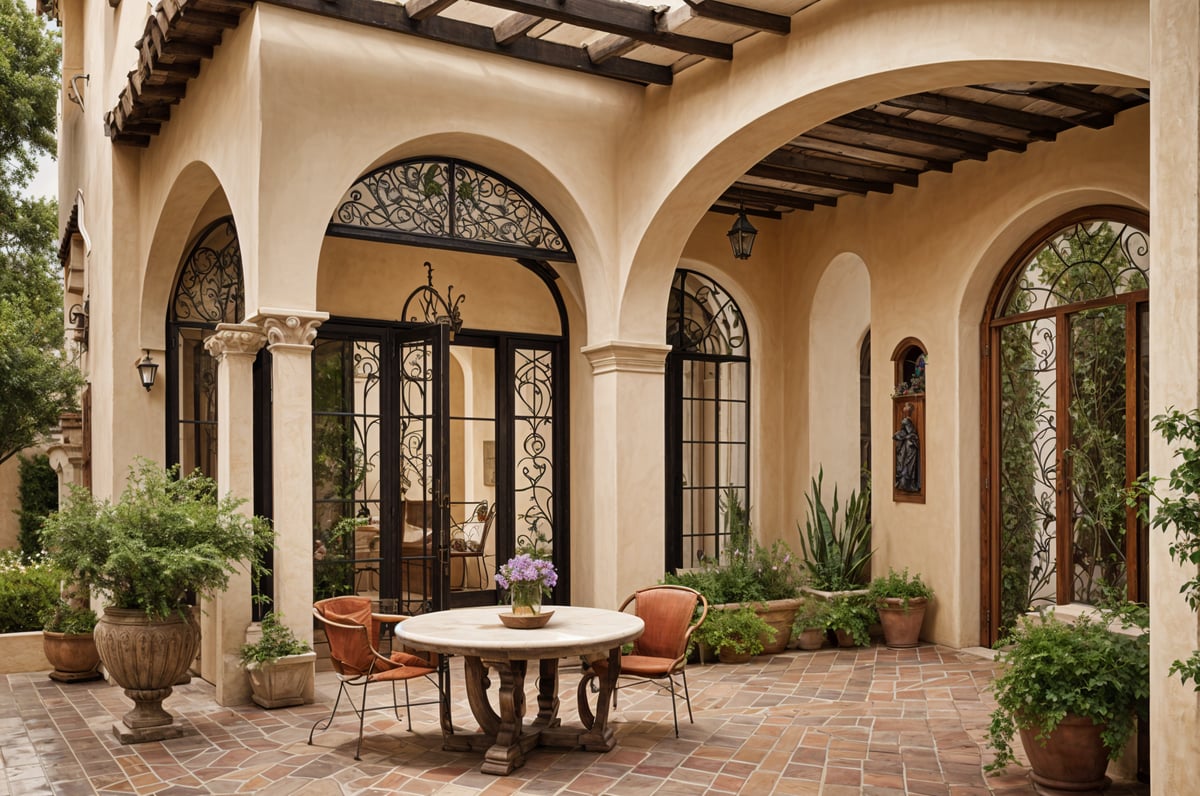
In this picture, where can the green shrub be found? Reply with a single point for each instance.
(740, 631)
(1055, 668)
(766, 573)
(277, 641)
(38, 492)
(899, 586)
(853, 614)
(67, 618)
(27, 592)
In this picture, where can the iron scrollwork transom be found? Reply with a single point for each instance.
(702, 318)
(209, 290)
(433, 202)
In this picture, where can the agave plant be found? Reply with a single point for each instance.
(836, 556)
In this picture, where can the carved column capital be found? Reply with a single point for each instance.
(235, 339)
(624, 356)
(290, 329)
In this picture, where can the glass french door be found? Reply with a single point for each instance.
(432, 460)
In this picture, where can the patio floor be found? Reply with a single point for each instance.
(870, 721)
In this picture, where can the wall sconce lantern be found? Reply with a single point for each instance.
(742, 235)
(147, 370)
(77, 317)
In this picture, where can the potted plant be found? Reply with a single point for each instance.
(811, 624)
(166, 537)
(850, 616)
(278, 664)
(735, 633)
(768, 578)
(901, 601)
(68, 642)
(837, 557)
(1073, 691)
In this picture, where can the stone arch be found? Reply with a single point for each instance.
(682, 167)
(839, 320)
(195, 199)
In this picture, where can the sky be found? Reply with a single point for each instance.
(45, 183)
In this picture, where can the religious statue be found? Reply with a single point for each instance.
(908, 454)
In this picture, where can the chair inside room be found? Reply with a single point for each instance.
(354, 631)
(671, 614)
(475, 551)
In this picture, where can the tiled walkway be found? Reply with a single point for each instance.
(872, 721)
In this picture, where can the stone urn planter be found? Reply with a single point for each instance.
(901, 624)
(1072, 758)
(283, 682)
(73, 655)
(146, 656)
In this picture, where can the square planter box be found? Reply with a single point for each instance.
(284, 682)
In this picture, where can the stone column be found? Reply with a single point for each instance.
(625, 546)
(223, 622)
(289, 339)
(1174, 358)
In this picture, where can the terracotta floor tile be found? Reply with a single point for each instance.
(864, 721)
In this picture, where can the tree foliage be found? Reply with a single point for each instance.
(38, 491)
(36, 382)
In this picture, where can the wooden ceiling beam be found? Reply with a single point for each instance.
(884, 126)
(784, 198)
(618, 17)
(742, 16)
(736, 207)
(611, 46)
(1042, 128)
(513, 27)
(817, 140)
(954, 137)
(789, 159)
(818, 180)
(423, 9)
(387, 16)
(736, 195)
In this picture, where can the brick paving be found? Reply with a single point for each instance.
(833, 722)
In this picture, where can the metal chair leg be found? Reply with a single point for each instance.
(674, 713)
(687, 696)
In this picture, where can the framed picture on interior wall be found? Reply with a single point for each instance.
(489, 463)
(908, 421)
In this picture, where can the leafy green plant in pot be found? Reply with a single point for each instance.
(736, 634)
(901, 601)
(850, 616)
(68, 643)
(165, 537)
(836, 555)
(811, 624)
(278, 665)
(1073, 692)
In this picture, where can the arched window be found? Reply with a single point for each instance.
(1066, 366)
(708, 418)
(207, 292)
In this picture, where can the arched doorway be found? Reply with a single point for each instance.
(1066, 372)
(439, 387)
(707, 418)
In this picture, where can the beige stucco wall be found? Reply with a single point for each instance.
(292, 108)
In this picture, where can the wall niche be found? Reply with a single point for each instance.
(908, 421)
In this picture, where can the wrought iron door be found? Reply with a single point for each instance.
(1066, 365)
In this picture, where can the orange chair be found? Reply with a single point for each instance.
(671, 616)
(353, 632)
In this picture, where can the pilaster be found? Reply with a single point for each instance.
(626, 545)
(223, 623)
(290, 334)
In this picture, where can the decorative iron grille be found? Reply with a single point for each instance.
(209, 289)
(703, 318)
(431, 202)
(533, 427)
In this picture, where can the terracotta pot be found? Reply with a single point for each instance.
(901, 627)
(779, 614)
(1073, 757)
(844, 639)
(811, 639)
(146, 657)
(727, 655)
(73, 656)
(282, 682)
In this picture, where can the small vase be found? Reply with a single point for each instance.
(526, 597)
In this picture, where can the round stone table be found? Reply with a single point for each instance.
(478, 635)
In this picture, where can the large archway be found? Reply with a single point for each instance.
(439, 386)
